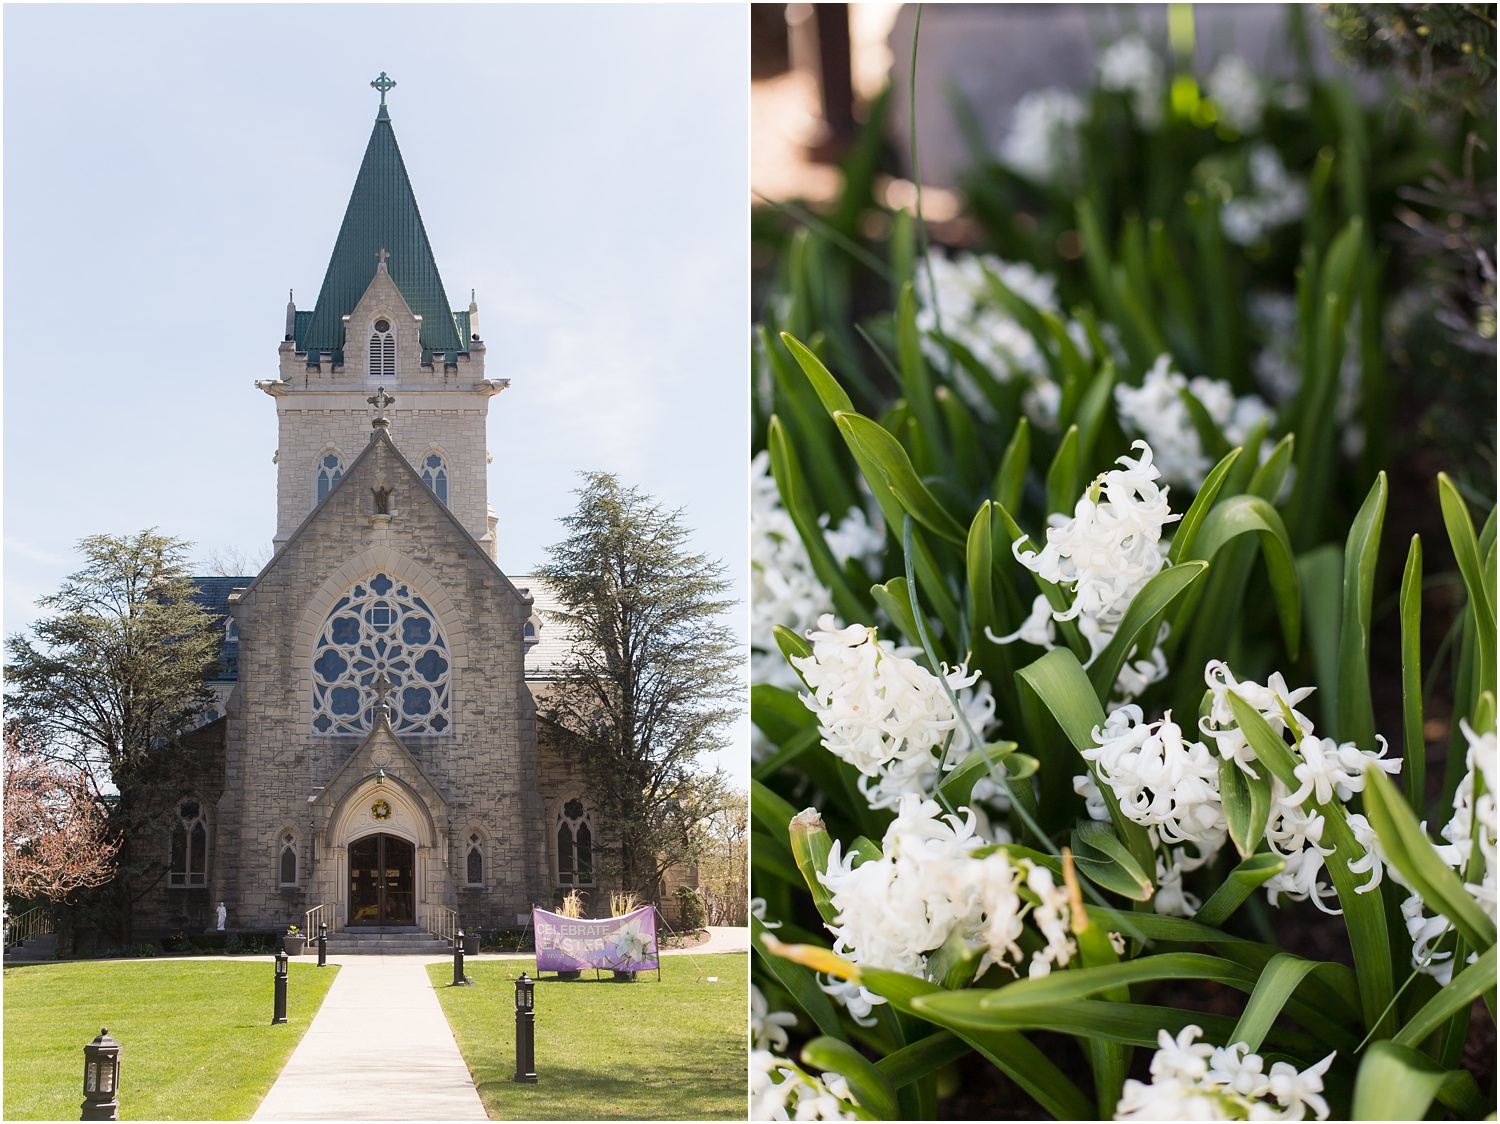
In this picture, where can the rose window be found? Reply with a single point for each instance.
(381, 625)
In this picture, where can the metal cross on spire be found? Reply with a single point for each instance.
(380, 399)
(383, 687)
(384, 253)
(383, 84)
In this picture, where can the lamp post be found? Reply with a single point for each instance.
(101, 1078)
(280, 1013)
(322, 944)
(459, 979)
(525, 1030)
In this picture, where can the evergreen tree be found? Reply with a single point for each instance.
(110, 681)
(651, 679)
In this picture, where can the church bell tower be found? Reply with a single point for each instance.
(382, 321)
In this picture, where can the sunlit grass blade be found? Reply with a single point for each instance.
(1414, 748)
(1364, 913)
(1411, 852)
(871, 1088)
(1356, 708)
(1242, 881)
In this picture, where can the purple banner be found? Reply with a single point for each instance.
(567, 944)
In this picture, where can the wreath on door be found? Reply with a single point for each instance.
(381, 810)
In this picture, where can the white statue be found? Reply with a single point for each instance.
(223, 913)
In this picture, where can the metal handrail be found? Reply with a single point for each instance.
(317, 915)
(442, 922)
(35, 922)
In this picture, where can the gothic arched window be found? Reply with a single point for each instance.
(382, 350)
(330, 468)
(381, 625)
(575, 845)
(435, 475)
(286, 866)
(189, 860)
(474, 861)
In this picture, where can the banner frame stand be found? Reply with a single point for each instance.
(656, 921)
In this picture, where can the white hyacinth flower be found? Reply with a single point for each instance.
(1130, 66)
(780, 1090)
(1192, 1080)
(1043, 142)
(894, 911)
(1220, 725)
(1156, 411)
(767, 1027)
(1275, 199)
(887, 715)
(783, 588)
(1236, 90)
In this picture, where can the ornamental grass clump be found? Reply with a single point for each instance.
(1081, 754)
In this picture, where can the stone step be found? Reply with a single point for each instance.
(38, 948)
(384, 942)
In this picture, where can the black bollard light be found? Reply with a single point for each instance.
(323, 944)
(525, 1030)
(101, 1078)
(459, 979)
(281, 962)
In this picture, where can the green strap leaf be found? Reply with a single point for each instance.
(885, 453)
(1364, 913)
(829, 391)
(799, 982)
(1277, 981)
(1412, 853)
(1394, 1083)
(1414, 749)
(871, 1088)
(1465, 987)
(1243, 881)
(1247, 805)
(1239, 515)
(1062, 476)
(769, 810)
(958, 786)
(924, 1056)
(1139, 625)
(1010, 479)
(1466, 551)
(1108, 862)
(1192, 520)
(1355, 707)
(1027, 1066)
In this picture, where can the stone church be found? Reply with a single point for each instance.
(376, 750)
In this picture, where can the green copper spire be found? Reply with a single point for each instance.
(382, 216)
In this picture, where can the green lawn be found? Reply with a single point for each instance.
(674, 1050)
(196, 1038)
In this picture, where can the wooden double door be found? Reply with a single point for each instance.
(382, 881)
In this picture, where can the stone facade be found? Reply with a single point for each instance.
(338, 735)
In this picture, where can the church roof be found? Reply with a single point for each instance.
(212, 594)
(382, 215)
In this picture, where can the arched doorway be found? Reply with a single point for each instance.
(382, 881)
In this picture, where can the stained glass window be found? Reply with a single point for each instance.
(189, 859)
(288, 873)
(435, 475)
(474, 863)
(330, 468)
(381, 625)
(575, 845)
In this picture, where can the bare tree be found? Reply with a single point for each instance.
(236, 561)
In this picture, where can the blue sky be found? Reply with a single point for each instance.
(171, 171)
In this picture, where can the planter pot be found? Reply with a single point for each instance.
(471, 944)
(572, 974)
(293, 946)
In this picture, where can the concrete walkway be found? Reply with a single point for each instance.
(378, 1049)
